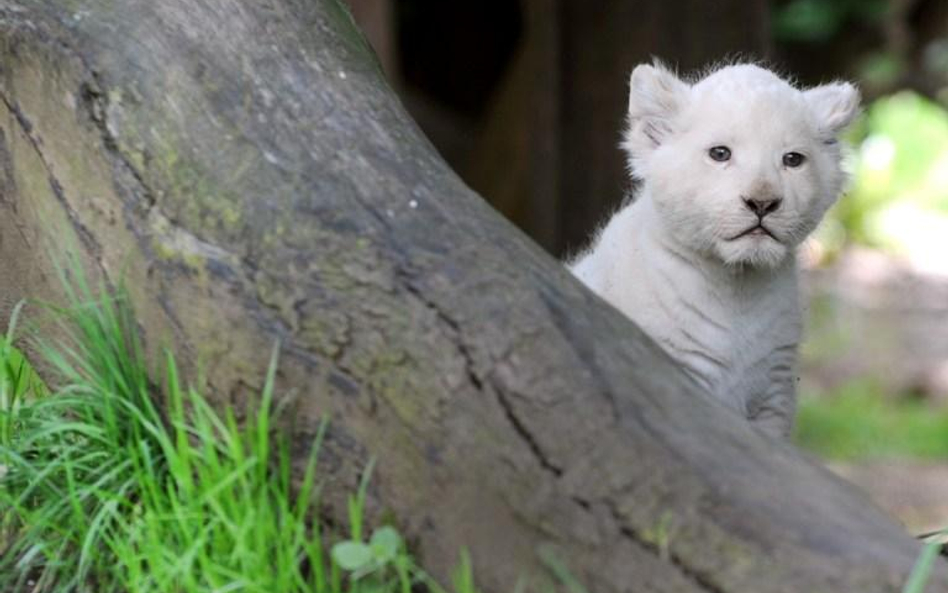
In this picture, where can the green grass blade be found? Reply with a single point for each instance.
(922, 569)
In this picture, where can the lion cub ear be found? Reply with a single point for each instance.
(833, 105)
(656, 96)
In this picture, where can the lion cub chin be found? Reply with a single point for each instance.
(737, 168)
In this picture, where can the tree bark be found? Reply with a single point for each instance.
(244, 165)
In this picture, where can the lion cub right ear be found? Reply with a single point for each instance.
(834, 106)
(656, 96)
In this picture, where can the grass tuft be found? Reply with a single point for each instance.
(101, 490)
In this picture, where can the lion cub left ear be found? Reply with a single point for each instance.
(833, 105)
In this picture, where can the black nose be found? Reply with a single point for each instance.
(762, 207)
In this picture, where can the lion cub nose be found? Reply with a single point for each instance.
(762, 207)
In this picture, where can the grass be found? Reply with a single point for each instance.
(104, 491)
(922, 570)
(858, 422)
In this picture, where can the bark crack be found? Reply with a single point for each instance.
(97, 106)
(452, 325)
(474, 377)
(699, 578)
(527, 436)
(85, 235)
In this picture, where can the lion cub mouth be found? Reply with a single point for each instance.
(758, 230)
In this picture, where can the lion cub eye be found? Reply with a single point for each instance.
(720, 153)
(793, 159)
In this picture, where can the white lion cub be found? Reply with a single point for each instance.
(737, 169)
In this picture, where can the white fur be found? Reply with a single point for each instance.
(726, 308)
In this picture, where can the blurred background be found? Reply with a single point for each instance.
(526, 100)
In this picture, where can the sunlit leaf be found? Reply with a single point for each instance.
(352, 556)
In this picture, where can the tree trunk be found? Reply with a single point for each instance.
(244, 165)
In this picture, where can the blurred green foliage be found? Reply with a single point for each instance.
(857, 422)
(819, 20)
(900, 173)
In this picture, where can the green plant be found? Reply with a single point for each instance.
(68, 477)
(921, 572)
(102, 490)
(18, 380)
(382, 563)
(223, 516)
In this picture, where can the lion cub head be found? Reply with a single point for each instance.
(740, 165)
